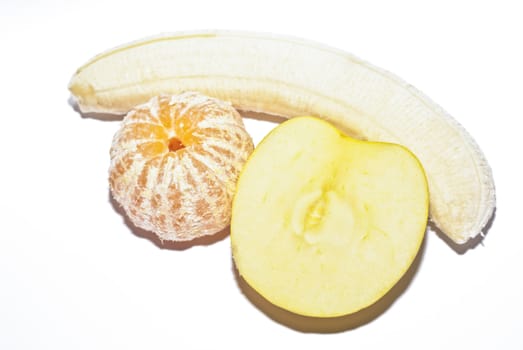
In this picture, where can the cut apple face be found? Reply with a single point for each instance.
(323, 224)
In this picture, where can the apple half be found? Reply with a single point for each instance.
(323, 224)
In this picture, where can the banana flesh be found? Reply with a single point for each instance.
(292, 77)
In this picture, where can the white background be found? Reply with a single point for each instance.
(75, 275)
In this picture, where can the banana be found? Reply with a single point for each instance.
(292, 77)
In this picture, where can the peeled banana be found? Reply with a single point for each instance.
(291, 77)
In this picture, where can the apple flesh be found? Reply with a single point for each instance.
(323, 224)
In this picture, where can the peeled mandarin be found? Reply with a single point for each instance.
(174, 164)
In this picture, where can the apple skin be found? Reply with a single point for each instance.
(324, 225)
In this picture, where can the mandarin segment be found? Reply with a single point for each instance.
(174, 164)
